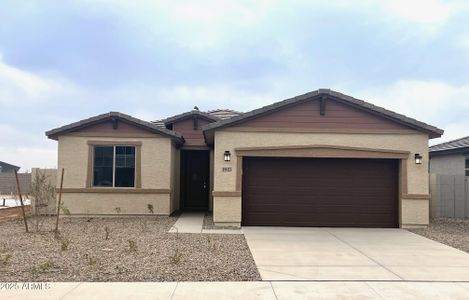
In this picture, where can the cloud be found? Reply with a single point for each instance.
(152, 59)
(438, 103)
(17, 84)
(425, 12)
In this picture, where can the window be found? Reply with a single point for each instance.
(114, 166)
(467, 165)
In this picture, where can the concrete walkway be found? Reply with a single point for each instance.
(238, 290)
(189, 222)
(192, 222)
(286, 253)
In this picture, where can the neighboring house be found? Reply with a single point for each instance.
(318, 159)
(449, 174)
(450, 158)
(7, 168)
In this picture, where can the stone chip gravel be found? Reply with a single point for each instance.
(138, 249)
(451, 232)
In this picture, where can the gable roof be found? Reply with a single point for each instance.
(432, 131)
(54, 133)
(214, 115)
(453, 146)
(194, 112)
(4, 166)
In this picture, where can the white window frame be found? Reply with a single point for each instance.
(114, 167)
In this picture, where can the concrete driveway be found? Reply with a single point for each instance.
(285, 253)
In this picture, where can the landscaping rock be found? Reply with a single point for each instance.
(137, 249)
(451, 232)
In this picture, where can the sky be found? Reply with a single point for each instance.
(63, 61)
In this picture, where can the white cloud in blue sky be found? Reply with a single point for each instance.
(61, 61)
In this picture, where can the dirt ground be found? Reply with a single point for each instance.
(452, 232)
(120, 249)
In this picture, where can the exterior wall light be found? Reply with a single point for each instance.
(418, 158)
(227, 155)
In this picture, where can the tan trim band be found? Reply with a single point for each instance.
(116, 191)
(415, 196)
(226, 194)
(115, 143)
(321, 151)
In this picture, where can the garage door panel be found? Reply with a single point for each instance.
(320, 192)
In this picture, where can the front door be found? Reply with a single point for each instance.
(195, 177)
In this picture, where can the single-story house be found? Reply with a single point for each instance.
(318, 159)
(450, 158)
(8, 168)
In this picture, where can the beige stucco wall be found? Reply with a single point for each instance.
(156, 160)
(103, 203)
(413, 211)
(157, 155)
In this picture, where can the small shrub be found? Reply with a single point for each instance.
(42, 191)
(143, 224)
(38, 222)
(119, 269)
(90, 260)
(57, 235)
(150, 208)
(45, 266)
(19, 219)
(5, 259)
(65, 211)
(64, 243)
(132, 246)
(176, 258)
(212, 245)
(107, 231)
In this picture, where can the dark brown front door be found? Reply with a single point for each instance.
(195, 179)
(320, 192)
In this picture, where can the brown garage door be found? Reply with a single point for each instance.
(320, 192)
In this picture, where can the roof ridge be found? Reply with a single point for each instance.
(224, 109)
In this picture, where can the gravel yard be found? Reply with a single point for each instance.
(137, 249)
(452, 232)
